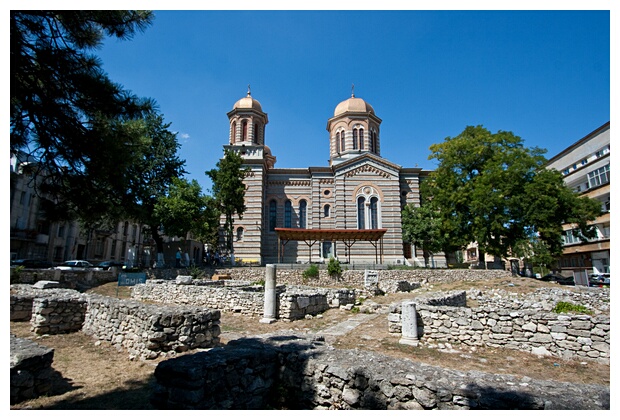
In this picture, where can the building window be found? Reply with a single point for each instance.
(338, 142)
(368, 209)
(361, 213)
(599, 176)
(303, 205)
(288, 210)
(342, 141)
(361, 139)
(374, 217)
(244, 131)
(61, 231)
(272, 215)
(255, 139)
(234, 132)
(355, 139)
(569, 237)
(239, 234)
(326, 210)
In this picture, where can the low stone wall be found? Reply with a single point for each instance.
(58, 314)
(149, 331)
(31, 369)
(145, 331)
(292, 302)
(68, 279)
(22, 297)
(295, 373)
(496, 323)
(389, 279)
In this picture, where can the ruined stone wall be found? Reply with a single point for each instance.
(31, 369)
(145, 331)
(70, 279)
(295, 373)
(150, 331)
(349, 278)
(22, 297)
(58, 314)
(518, 322)
(293, 302)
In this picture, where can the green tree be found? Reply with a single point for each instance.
(229, 190)
(81, 129)
(422, 228)
(492, 190)
(187, 210)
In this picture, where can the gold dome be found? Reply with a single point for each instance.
(353, 104)
(248, 103)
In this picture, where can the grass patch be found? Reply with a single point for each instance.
(567, 307)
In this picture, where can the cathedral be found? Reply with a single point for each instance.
(349, 210)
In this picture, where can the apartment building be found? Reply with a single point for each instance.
(586, 168)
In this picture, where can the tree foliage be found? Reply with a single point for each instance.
(422, 228)
(490, 189)
(229, 190)
(186, 209)
(84, 131)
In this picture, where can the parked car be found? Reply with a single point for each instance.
(599, 280)
(30, 263)
(107, 265)
(75, 265)
(560, 279)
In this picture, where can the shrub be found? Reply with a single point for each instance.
(333, 268)
(196, 272)
(563, 307)
(311, 272)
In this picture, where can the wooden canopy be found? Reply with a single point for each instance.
(347, 236)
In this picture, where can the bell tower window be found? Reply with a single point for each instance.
(361, 139)
(303, 205)
(338, 142)
(234, 133)
(245, 131)
(355, 139)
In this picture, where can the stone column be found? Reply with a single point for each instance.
(269, 312)
(409, 324)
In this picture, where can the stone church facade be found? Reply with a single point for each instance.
(358, 191)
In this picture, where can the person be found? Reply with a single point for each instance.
(178, 257)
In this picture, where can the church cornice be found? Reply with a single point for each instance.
(293, 183)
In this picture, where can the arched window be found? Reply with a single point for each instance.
(234, 132)
(255, 139)
(374, 217)
(361, 212)
(338, 142)
(361, 139)
(342, 141)
(355, 139)
(302, 214)
(326, 210)
(287, 213)
(244, 131)
(272, 215)
(239, 233)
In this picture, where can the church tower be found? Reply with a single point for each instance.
(247, 137)
(353, 130)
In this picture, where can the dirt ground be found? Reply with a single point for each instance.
(94, 375)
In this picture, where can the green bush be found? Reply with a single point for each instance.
(311, 272)
(333, 268)
(563, 307)
(196, 272)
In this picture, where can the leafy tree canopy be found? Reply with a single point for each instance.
(491, 189)
(228, 189)
(84, 131)
(186, 209)
(422, 228)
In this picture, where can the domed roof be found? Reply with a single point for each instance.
(353, 104)
(248, 102)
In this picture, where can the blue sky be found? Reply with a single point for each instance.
(544, 75)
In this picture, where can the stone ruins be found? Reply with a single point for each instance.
(306, 372)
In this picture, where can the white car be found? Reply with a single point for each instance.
(75, 265)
